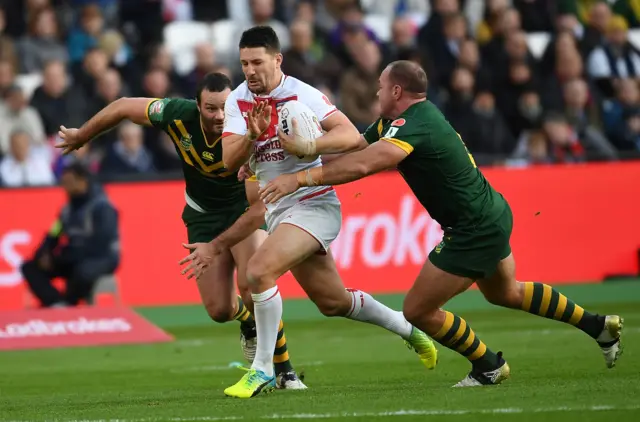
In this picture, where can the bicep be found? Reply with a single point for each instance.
(137, 110)
(335, 119)
(383, 155)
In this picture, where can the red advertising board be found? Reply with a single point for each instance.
(82, 326)
(572, 224)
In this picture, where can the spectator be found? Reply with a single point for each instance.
(536, 14)
(43, 42)
(262, 12)
(161, 59)
(109, 89)
(494, 50)
(298, 61)
(489, 27)
(205, 61)
(517, 98)
(25, 165)
(86, 36)
(351, 31)
(84, 156)
(469, 58)
(128, 155)
(432, 33)
(490, 133)
(403, 36)
(16, 114)
(562, 44)
(445, 54)
(597, 26)
(459, 107)
(533, 148)
(569, 66)
(359, 90)
(94, 65)
(621, 116)
(398, 7)
(564, 141)
(7, 77)
(118, 53)
(87, 252)
(628, 10)
(616, 58)
(156, 84)
(7, 46)
(55, 102)
(582, 115)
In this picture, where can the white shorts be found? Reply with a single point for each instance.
(321, 217)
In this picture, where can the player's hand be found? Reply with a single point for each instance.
(259, 120)
(245, 172)
(279, 187)
(70, 140)
(294, 143)
(200, 259)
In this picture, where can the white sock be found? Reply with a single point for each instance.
(365, 308)
(267, 313)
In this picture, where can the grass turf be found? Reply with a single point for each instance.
(355, 372)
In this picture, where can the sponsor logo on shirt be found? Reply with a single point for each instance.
(208, 156)
(185, 141)
(398, 122)
(156, 108)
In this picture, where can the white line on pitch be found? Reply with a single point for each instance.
(392, 413)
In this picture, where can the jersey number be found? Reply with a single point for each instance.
(468, 153)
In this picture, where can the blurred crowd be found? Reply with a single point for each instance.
(61, 61)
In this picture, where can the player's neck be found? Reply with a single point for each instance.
(404, 105)
(277, 80)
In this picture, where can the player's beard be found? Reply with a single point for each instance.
(258, 88)
(214, 127)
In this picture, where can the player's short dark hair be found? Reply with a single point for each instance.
(213, 82)
(410, 76)
(78, 169)
(261, 36)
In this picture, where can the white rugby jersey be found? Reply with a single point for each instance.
(269, 160)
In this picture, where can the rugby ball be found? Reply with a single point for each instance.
(308, 124)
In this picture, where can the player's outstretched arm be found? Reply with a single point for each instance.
(204, 253)
(134, 109)
(375, 158)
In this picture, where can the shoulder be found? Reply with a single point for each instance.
(173, 108)
(302, 90)
(240, 93)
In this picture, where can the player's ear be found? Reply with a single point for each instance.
(397, 92)
(279, 59)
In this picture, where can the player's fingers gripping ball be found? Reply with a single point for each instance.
(298, 128)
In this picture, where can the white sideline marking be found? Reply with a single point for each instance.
(393, 413)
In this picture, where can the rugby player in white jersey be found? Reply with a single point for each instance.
(301, 225)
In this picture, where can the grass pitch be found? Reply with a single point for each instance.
(355, 372)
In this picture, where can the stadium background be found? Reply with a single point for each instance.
(530, 86)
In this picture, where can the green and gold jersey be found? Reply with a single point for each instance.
(208, 183)
(439, 169)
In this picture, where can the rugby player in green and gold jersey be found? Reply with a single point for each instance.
(414, 136)
(215, 199)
